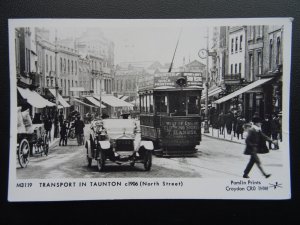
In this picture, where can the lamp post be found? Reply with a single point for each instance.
(100, 94)
(203, 54)
(56, 75)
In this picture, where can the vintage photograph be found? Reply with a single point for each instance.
(150, 103)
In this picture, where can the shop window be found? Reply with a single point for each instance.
(193, 105)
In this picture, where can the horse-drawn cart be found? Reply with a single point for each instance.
(32, 142)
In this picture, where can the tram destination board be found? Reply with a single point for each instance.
(169, 79)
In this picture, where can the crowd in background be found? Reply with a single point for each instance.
(233, 122)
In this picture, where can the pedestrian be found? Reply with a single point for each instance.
(255, 144)
(79, 132)
(275, 127)
(63, 134)
(48, 127)
(234, 123)
(266, 127)
(221, 123)
(229, 120)
(61, 118)
(239, 127)
(56, 126)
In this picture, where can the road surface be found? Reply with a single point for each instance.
(214, 159)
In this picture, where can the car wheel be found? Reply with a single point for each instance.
(100, 161)
(148, 160)
(23, 153)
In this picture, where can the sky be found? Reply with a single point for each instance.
(146, 40)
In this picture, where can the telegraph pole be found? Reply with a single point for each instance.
(206, 127)
(56, 77)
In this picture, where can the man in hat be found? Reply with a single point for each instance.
(255, 144)
(79, 132)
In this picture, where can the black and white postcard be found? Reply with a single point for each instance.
(149, 109)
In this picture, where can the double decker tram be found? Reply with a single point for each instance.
(170, 111)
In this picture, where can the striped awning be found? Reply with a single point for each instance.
(34, 99)
(242, 90)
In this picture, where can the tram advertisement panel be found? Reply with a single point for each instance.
(180, 131)
(169, 79)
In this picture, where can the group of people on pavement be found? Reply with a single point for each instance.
(233, 122)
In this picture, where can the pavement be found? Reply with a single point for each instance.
(215, 133)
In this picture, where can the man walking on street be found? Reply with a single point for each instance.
(255, 144)
(79, 126)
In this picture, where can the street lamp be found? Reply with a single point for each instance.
(203, 53)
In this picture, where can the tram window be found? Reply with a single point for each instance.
(151, 103)
(177, 104)
(193, 105)
(142, 104)
(148, 103)
(161, 103)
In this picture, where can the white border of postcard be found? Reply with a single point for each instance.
(187, 188)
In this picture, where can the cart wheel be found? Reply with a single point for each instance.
(23, 153)
(132, 164)
(101, 161)
(46, 146)
(148, 160)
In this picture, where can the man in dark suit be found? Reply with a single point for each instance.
(255, 144)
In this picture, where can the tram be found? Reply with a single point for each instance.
(170, 111)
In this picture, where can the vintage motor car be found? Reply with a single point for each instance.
(117, 141)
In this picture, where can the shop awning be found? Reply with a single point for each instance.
(211, 92)
(124, 98)
(95, 102)
(60, 98)
(243, 90)
(113, 101)
(34, 98)
(83, 103)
